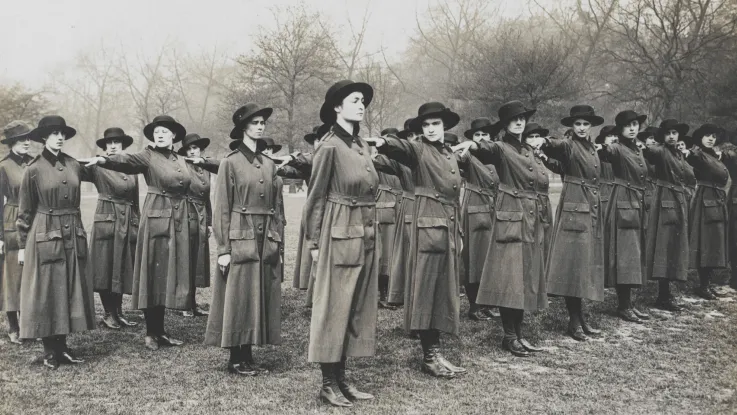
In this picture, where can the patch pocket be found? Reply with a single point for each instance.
(347, 245)
(104, 226)
(713, 211)
(628, 215)
(479, 217)
(432, 235)
(158, 223)
(243, 246)
(409, 218)
(508, 226)
(81, 238)
(272, 248)
(50, 247)
(669, 213)
(385, 212)
(11, 240)
(133, 230)
(575, 217)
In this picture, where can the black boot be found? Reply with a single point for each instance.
(108, 319)
(330, 392)
(587, 329)
(519, 317)
(348, 390)
(476, 314)
(510, 341)
(383, 293)
(248, 361)
(119, 316)
(235, 365)
(575, 330)
(665, 300)
(624, 309)
(430, 363)
(703, 290)
(13, 327)
(151, 340)
(435, 335)
(64, 353)
(163, 337)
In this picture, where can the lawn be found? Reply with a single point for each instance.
(685, 363)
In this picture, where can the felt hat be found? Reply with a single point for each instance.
(271, 144)
(390, 131)
(114, 133)
(627, 116)
(451, 138)
(604, 132)
(707, 129)
(244, 114)
(646, 133)
(668, 125)
(168, 122)
(481, 124)
(195, 139)
(14, 131)
(584, 112)
(512, 110)
(407, 130)
(534, 127)
(434, 110)
(337, 93)
(49, 124)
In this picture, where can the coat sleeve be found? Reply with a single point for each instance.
(403, 151)
(3, 195)
(386, 165)
(136, 163)
(208, 204)
(210, 164)
(488, 153)
(136, 197)
(28, 204)
(609, 152)
(289, 172)
(221, 210)
(314, 210)
(653, 155)
(557, 149)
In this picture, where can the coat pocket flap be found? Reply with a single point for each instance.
(509, 215)
(386, 205)
(576, 207)
(48, 236)
(237, 234)
(408, 218)
(670, 204)
(104, 217)
(274, 235)
(81, 232)
(711, 202)
(628, 204)
(479, 209)
(432, 222)
(159, 213)
(347, 232)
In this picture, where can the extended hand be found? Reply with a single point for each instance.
(92, 161)
(195, 160)
(21, 256)
(315, 253)
(376, 141)
(224, 263)
(2, 248)
(464, 147)
(209, 231)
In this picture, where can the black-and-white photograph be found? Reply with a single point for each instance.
(379, 206)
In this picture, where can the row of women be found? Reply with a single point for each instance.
(498, 239)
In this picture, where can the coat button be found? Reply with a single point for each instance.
(261, 195)
(594, 192)
(354, 201)
(243, 209)
(125, 178)
(368, 169)
(181, 182)
(532, 182)
(530, 169)
(272, 210)
(453, 171)
(260, 180)
(61, 168)
(455, 186)
(51, 210)
(515, 193)
(163, 191)
(452, 217)
(583, 182)
(179, 170)
(176, 206)
(258, 166)
(437, 194)
(360, 152)
(64, 181)
(66, 196)
(66, 226)
(575, 209)
(532, 213)
(371, 188)
(370, 222)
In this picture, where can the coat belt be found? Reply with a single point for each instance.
(606, 181)
(672, 186)
(348, 200)
(408, 195)
(709, 184)
(481, 190)
(435, 195)
(46, 210)
(172, 195)
(390, 189)
(196, 200)
(593, 183)
(13, 203)
(518, 193)
(253, 210)
(116, 200)
(629, 185)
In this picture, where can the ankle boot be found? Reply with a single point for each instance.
(475, 313)
(348, 390)
(248, 361)
(430, 363)
(330, 392)
(109, 321)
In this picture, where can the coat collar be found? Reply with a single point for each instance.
(19, 159)
(250, 155)
(52, 158)
(437, 144)
(344, 135)
(164, 150)
(509, 138)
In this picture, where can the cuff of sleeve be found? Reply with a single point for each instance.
(312, 245)
(223, 251)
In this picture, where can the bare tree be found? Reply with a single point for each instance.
(351, 54)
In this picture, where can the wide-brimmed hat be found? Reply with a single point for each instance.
(511, 110)
(627, 116)
(49, 124)
(686, 140)
(407, 130)
(114, 133)
(707, 129)
(434, 110)
(668, 125)
(647, 132)
(582, 112)
(390, 131)
(195, 139)
(271, 144)
(168, 122)
(311, 136)
(481, 124)
(337, 93)
(14, 131)
(450, 138)
(244, 114)
(604, 132)
(534, 127)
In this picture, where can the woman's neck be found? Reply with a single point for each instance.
(348, 126)
(249, 142)
(518, 137)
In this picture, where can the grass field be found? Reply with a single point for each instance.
(685, 363)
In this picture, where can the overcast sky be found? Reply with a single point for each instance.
(37, 35)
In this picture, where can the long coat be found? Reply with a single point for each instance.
(477, 216)
(399, 273)
(431, 295)
(300, 168)
(281, 222)
(340, 221)
(200, 215)
(542, 188)
(56, 295)
(606, 184)
(575, 264)
(162, 273)
(114, 231)
(708, 212)
(729, 158)
(513, 274)
(388, 199)
(667, 233)
(246, 303)
(624, 220)
(11, 174)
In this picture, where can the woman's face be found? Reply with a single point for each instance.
(432, 129)
(268, 151)
(533, 140)
(709, 140)
(581, 128)
(650, 142)
(255, 127)
(671, 137)
(517, 125)
(163, 137)
(680, 146)
(412, 137)
(630, 130)
(22, 146)
(611, 139)
(479, 136)
(193, 150)
(113, 147)
(55, 141)
(352, 107)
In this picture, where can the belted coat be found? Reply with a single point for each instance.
(200, 213)
(399, 274)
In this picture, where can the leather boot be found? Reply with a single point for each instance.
(492, 312)
(716, 293)
(515, 347)
(430, 349)
(668, 304)
(109, 321)
(124, 322)
(576, 332)
(704, 293)
(348, 390)
(165, 340)
(14, 337)
(330, 392)
(151, 342)
(587, 329)
(641, 314)
(629, 315)
(383, 293)
(450, 366)
(51, 362)
(475, 313)
(248, 361)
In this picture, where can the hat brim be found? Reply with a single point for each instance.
(542, 131)
(327, 112)
(640, 119)
(237, 132)
(526, 114)
(470, 132)
(202, 143)
(11, 140)
(310, 138)
(450, 119)
(275, 148)
(595, 120)
(681, 128)
(178, 130)
(701, 132)
(39, 132)
(126, 140)
(404, 134)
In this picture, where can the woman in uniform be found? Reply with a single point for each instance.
(114, 231)
(56, 297)
(708, 213)
(513, 275)
(607, 135)
(624, 220)
(17, 138)
(281, 219)
(246, 298)
(339, 217)
(575, 266)
(431, 301)
(162, 275)
(534, 135)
